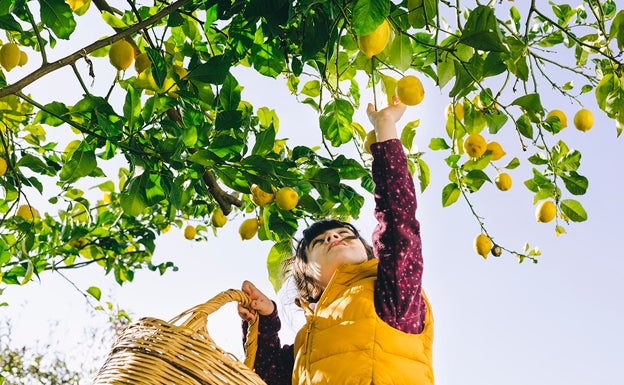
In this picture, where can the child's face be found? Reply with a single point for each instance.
(333, 248)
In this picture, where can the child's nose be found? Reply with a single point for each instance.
(332, 236)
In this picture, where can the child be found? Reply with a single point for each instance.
(367, 318)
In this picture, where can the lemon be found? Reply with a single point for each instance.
(482, 245)
(584, 120)
(23, 59)
(563, 119)
(9, 56)
(26, 212)
(457, 111)
(218, 219)
(166, 229)
(371, 137)
(142, 62)
(261, 197)
(3, 166)
(375, 42)
(286, 198)
(248, 228)
(545, 211)
(503, 181)
(475, 145)
(121, 54)
(496, 150)
(190, 232)
(76, 4)
(410, 90)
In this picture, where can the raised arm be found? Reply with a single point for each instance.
(396, 240)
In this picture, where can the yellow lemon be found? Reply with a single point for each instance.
(9, 56)
(3, 166)
(190, 232)
(248, 228)
(286, 198)
(121, 55)
(26, 212)
(218, 219)
(503, 181)
(410, 90)
(166, 229)
(496, 150)
(545, 211)
(475, 145)
(584, 120)
(371, 137)
(457, 111)
(563, 119)
(142, 62)
(23, 59)
(261, 197)
(375, 42)
(482, 245)
(76, 4)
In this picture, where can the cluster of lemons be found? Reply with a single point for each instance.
(285, 198)
(12, 56)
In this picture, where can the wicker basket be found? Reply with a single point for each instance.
(180, 352)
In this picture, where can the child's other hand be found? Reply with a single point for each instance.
(259, 302)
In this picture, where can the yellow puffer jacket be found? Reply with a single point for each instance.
(344, 342)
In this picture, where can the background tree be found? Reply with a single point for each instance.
(183, 144)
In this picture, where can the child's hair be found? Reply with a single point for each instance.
(309, 288)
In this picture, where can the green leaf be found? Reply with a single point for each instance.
(573, 210)
(268, 59)
(409, 133)
(424, 175)
(279, 252)
(95, 292)
(368, 15)
(523, 125)
(421, 12)
(316, 32)
(495, 121)
(610, 97)
(481, 31)
(213, 71)
(335, 121)
(617, 30)
(450, 194)
(401, 52)
(57, 15)
(8, 23)
(531, 104)
(514, 163)
(575, 183)
(438, 144)
(81, 164)
(230, 95)
(265, 140)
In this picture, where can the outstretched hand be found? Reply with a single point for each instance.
(384, 120)
(259, 302)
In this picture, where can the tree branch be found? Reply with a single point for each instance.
(83, 52)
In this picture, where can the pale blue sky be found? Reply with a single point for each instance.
(497, 321)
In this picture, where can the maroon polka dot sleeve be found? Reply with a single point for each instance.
(396, 240)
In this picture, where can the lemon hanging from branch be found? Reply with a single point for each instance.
(121, 55)
(410, 90)
(375, 42)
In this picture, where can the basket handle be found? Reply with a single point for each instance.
(200, 313)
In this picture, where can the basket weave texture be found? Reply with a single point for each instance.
(180, 352)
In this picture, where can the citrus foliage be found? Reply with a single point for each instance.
(191, 145)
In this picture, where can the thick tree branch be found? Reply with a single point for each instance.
(224, 199)
(67, 60)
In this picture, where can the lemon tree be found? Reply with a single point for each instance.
(190, 144)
